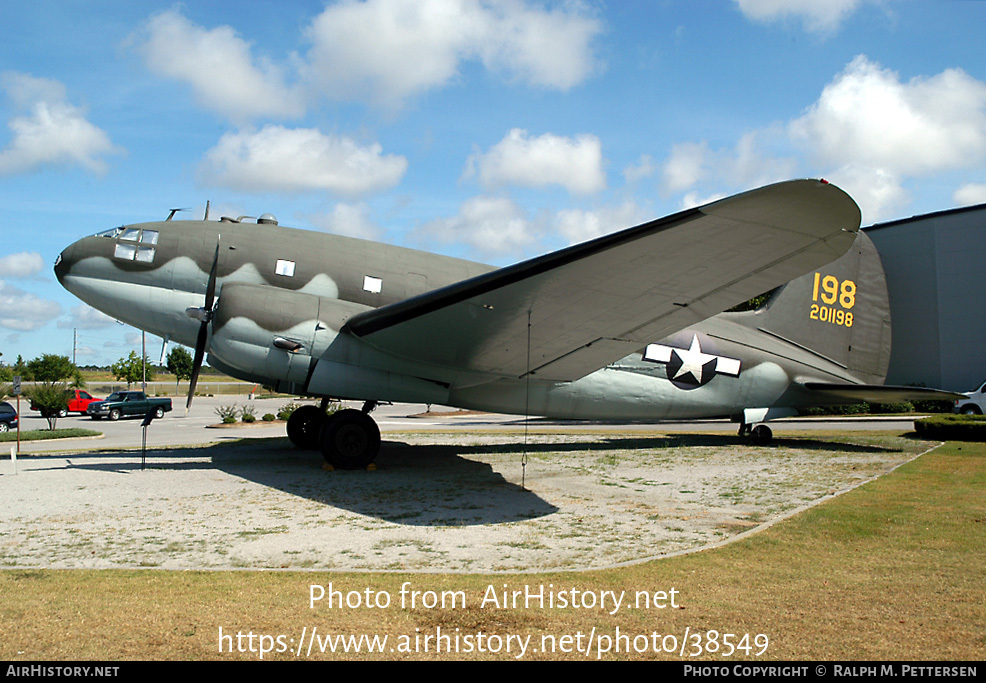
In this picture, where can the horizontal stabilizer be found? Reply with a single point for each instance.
(878, 393)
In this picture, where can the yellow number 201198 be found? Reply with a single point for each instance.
(841, 296)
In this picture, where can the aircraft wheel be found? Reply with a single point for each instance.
(304, 426)
(762, 435)
(350, 440)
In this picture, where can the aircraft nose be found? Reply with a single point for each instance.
(63, 263)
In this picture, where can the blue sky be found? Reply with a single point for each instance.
(488, 130)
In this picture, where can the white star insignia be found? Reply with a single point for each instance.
(694, 361)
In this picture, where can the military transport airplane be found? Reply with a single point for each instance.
(630, 325)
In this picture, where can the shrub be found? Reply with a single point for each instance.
(952, 427)
(228, 414)
(269, 417)
(247, 414)
(889, 408)
(285, 412)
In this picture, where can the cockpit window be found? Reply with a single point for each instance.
(112, 232)
(125, 251)
(144, 254)
(134, 244)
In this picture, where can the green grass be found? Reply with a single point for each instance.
(892, 570)
(46, 434)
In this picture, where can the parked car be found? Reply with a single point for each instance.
(128, 404)
(78, 402)
(8, 417)
(974, 403)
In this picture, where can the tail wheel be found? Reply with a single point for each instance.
(350, 440)
(304, 426)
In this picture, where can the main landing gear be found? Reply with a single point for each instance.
(349, 439)
(760, 434)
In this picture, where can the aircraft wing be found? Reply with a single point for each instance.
(573, 311)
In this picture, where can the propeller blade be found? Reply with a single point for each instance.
(210, 288)
(203, 338)
(197, 362)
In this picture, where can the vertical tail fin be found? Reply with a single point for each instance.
(840, 311)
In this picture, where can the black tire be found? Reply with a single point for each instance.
(114, 415)
(762, 435)
(970, 410)
(4, 426)
(63, 412)
(158, 413)
(350, 440)
(304, 426)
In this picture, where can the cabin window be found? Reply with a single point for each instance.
(372, 284)
(285, 268)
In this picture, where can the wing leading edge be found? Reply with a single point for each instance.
(570, 312)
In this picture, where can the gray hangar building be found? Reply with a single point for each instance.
(936, 268)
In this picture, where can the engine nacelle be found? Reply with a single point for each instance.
(270, 335)
(282, 338)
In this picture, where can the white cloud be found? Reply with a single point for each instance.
(351, 220)
(23, 264)
(85, 317)
(879, 193)
(377, 51)
(686, 165)
(490, 226)
(573, 163)
(577, 225)
(301, 159)
(386, 51)
(815, 15)
(751, 163)
(644, 168)
(970, 194)
(694, 199)
(51, 131)
(20, 310)
(867, 117)
(219, 66)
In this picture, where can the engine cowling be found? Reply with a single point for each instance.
(270, 335)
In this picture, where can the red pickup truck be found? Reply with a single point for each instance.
(78, 401)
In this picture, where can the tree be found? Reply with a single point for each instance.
(50, 368)
(180, 364)
(49, 395)
(20, 369)
(132, 369)
(50, 399)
